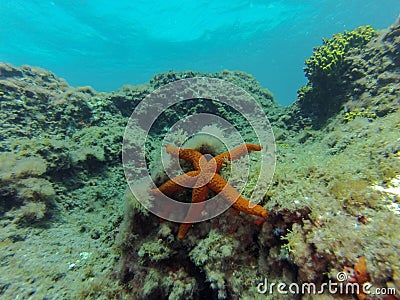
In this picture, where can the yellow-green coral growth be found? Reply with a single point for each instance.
(326, 59)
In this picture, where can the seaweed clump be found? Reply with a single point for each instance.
(323, 93)
(327, 60)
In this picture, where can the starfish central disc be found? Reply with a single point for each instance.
(208, 167)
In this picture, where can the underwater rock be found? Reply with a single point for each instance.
(61, 180)
(368, 65)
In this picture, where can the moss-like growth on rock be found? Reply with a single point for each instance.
(327, 60)
(25, 193)
(324, 93)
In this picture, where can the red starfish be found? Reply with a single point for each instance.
(205, 177)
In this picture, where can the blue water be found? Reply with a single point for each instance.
(105, 43)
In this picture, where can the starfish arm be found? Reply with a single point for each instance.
(220, 186)
(235, 153)
(190, 155)
(177, 183)
(183, 229)
(198, 195)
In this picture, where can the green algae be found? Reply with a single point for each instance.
(328, 202)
